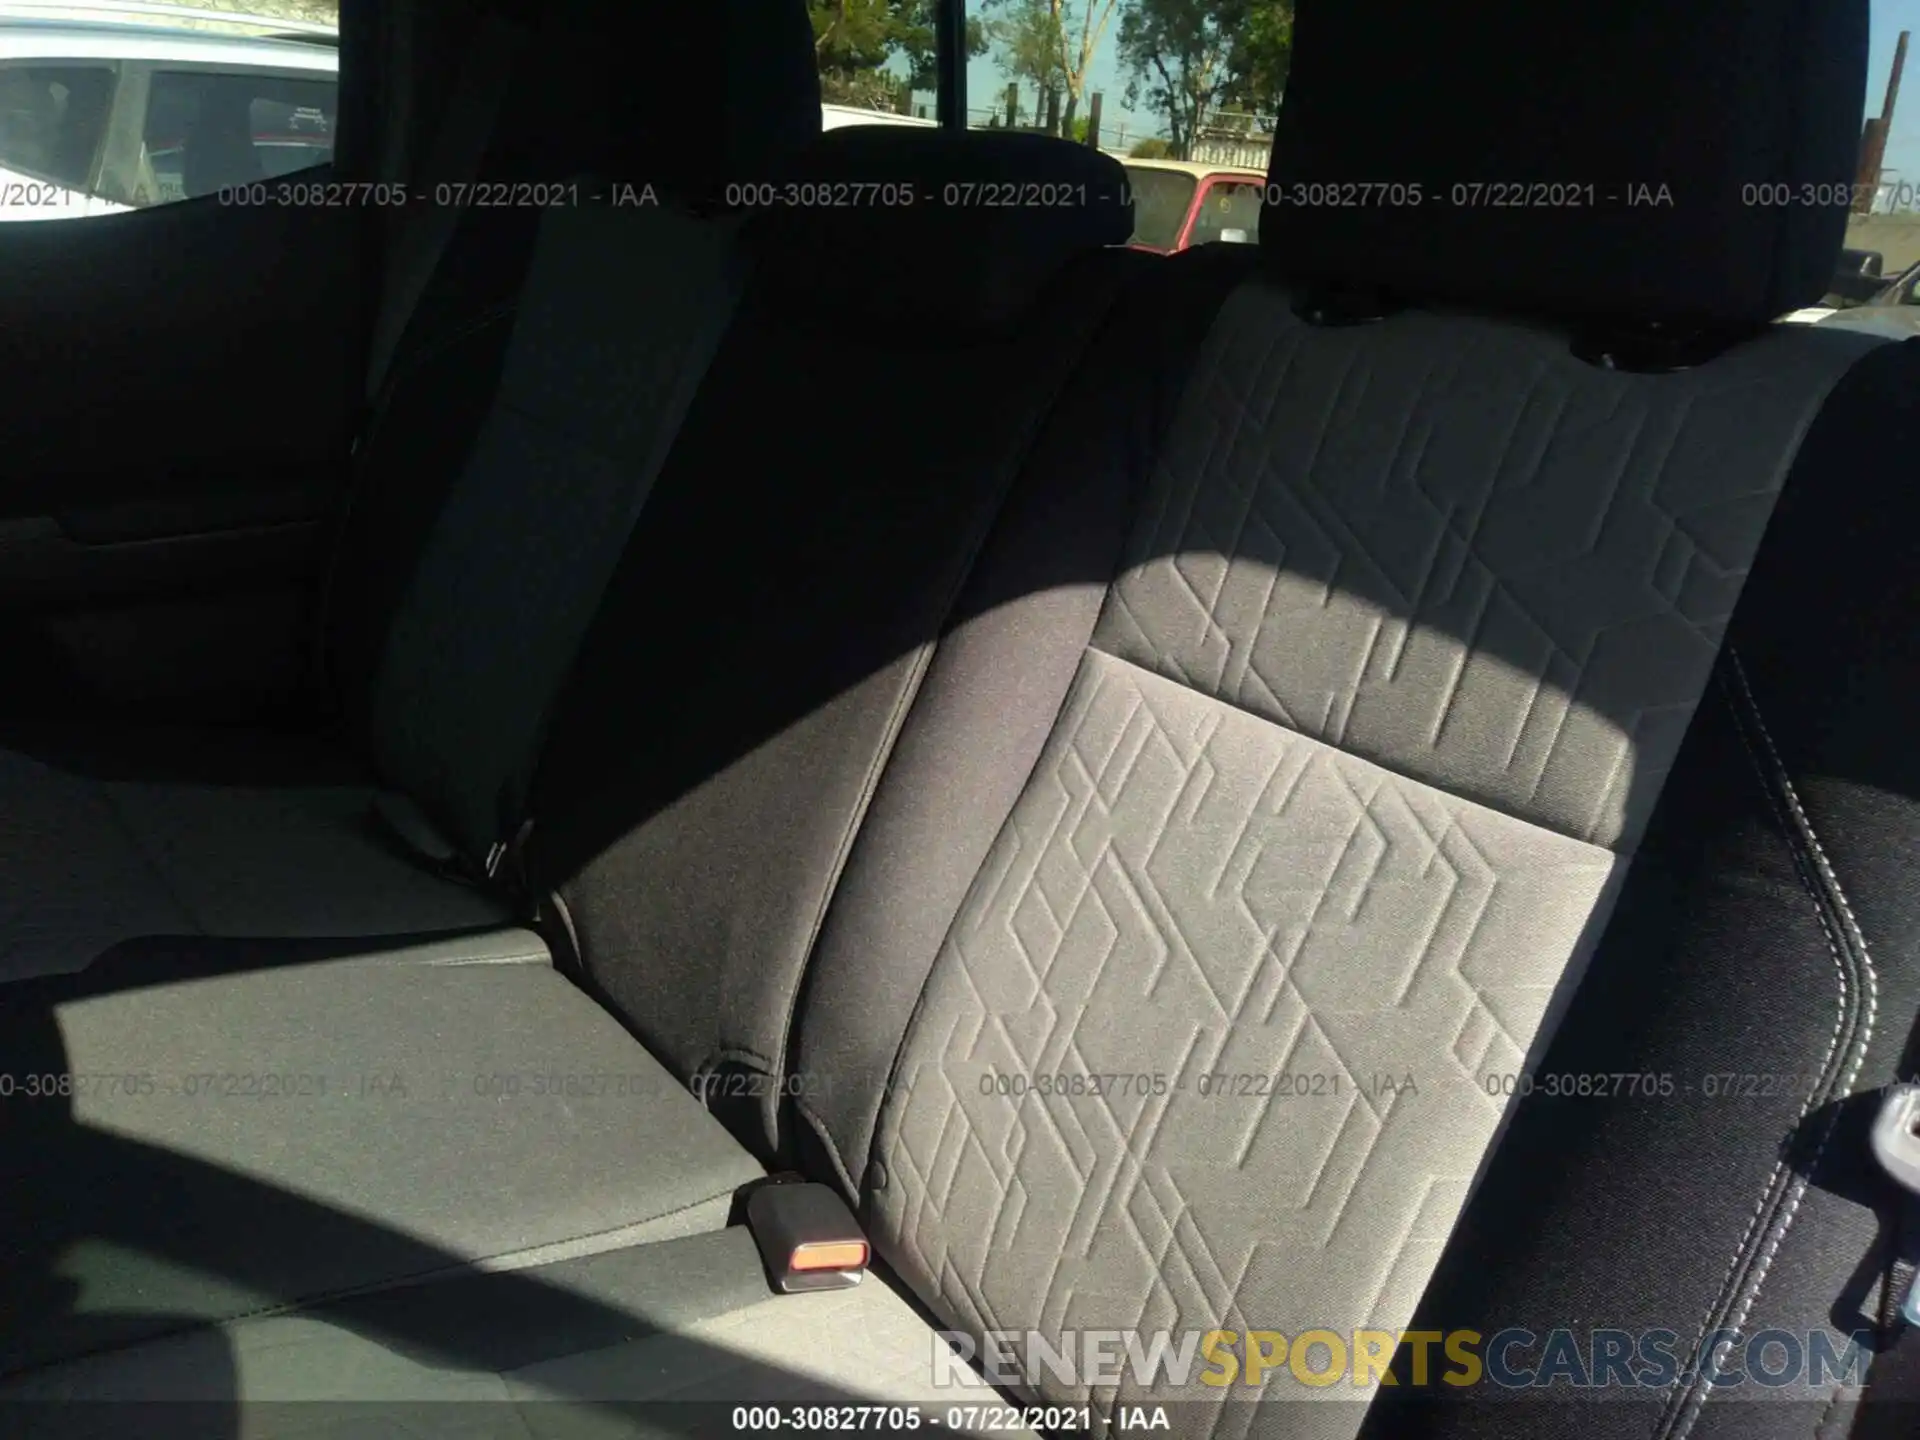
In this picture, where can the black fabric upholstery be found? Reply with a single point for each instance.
(695, 826)
(1725, 958)
(419, 438)
(603, 92)
(959, 233)
(1591, 102)
(631, 93)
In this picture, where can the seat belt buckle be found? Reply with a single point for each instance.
(1896, 1145)
(807, 1237)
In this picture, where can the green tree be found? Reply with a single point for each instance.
(1262, 55)
(1177, 53)
(1052, 44)
(915, 40)
(1188, 58)
(866, 48)
(1026, 47)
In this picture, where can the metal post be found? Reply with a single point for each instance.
(1053, 111)
(950, 34)
(1873, 140)
(1093, 121)
(1013, 106)
(1893, 80)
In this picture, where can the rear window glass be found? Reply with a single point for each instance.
(1228, 206)
(1161, 199)
(51, 119)
(208, 131)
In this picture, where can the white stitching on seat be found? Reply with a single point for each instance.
(1798, 822)
(1872, 986)
(1820, 858)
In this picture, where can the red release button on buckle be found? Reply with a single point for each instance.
(807, 1237)
(830, 1255)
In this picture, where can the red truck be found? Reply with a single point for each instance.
(1177, 204)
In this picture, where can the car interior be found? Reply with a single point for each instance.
(675, 811)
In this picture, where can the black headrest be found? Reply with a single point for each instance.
(680, 96)
(1687, 162)
(954, 231)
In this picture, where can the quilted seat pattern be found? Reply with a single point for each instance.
(1411, 624)
(1445, 543)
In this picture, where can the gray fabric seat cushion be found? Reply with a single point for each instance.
(1413, 618)
(622, 1343)
(90, 858)
(240, 1143)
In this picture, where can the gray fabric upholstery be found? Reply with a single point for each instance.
(1445, 543)
(675, 1322)
(1186, 890)
(622, 310)
(696, 835)
(1412, 620)
(992, 692)
(87, 863)
(309, 1130)
(1313, 813)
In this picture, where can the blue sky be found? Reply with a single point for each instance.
(1890, 17)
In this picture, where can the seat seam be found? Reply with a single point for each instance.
(414, 1277)
(352, 1292)
(1821, 860)
(877, 765)
(1109, 287)
(439, 345)
(1692, 1400)
(148, 860)
(1398, 770)
(1819, 880)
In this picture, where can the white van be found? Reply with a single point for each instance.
(109, 105)
(99, 115)
(832, 117)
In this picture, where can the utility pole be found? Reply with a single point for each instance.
(1093, 121)
(1873, 142)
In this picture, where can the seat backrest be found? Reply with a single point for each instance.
(893, 357)
(1355, 726)
(539, 392)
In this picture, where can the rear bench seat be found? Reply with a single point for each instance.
(1315, 733)
(470, 1106)
(550, 360)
